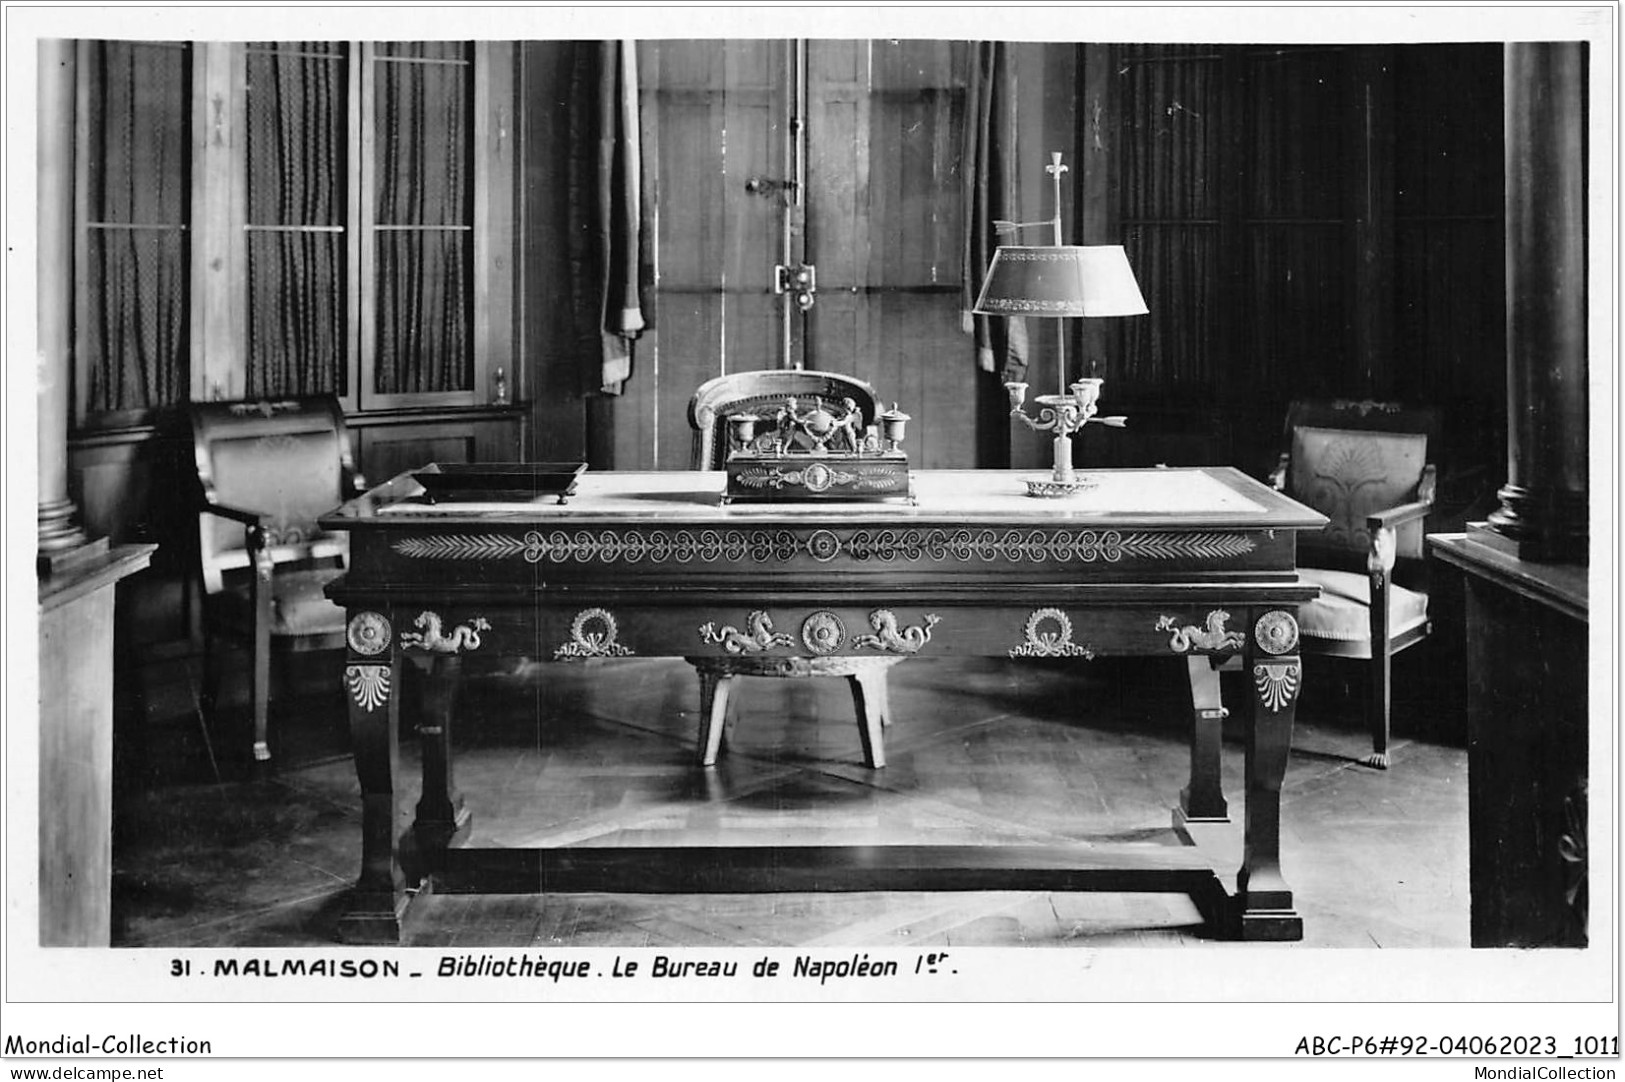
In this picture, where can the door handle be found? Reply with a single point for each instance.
(801, 280)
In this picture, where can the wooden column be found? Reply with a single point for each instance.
(59, 536)
(1543, 511)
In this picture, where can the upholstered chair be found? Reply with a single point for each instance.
(1364, 465)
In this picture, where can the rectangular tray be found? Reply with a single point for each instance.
(498, 480)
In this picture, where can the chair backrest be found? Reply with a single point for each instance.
(760, 392)
(288, 460)
(1347, 459)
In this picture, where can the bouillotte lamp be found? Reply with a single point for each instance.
(1056, 282)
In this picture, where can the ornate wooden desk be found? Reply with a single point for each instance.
(1197, 565)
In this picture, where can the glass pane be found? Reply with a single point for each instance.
(426, 50)
(297, 144)
(424, 291)
(137, 163)
(296, 313)
(138, 158)
(297, 121)
(424, 138)
(423, 211)
(136, 334)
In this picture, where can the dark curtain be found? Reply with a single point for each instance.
(296, 151)
(990, 189)
(138, 167)
(1170, 175)
(610, 236)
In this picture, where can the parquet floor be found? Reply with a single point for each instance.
(981, 752)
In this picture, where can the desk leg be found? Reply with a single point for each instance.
(375, 907)
(1202, 801)
(1263, 899)
(442, 817)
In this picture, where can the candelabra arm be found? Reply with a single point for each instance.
(1045, 423)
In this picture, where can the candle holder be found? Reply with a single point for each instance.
(1062, 414)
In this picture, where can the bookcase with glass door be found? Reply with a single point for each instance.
(271, 219)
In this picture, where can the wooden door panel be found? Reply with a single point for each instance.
(884, 219)
(934, 375)
(386, 449)
(720, 111)
(838, 203)
(385, 453)
(879, 216)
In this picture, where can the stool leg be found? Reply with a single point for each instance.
(715, 689)
(868, 699)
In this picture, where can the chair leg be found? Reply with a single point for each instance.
(1379, 705)
(262, 706)
(1382, 656)
(715, 690)
(261, 686)
(869, 701)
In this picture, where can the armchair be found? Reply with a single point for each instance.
(708, 410)
(1365, 466)
(266, 470)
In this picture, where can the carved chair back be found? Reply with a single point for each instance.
(287, 461)
(762, 393)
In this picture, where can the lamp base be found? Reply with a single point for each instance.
(1051, 489)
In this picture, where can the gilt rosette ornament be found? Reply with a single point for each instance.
(1276, 632)
(368, 633)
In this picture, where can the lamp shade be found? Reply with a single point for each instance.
(1060, 280)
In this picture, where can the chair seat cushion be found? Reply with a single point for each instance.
(298, 605)
(1342, 612)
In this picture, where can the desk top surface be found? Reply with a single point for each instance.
(1199, 496)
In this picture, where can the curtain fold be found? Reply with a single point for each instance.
(620, 172)
(610, 247)
(989, 193)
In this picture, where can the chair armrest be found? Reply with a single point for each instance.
(1391, 517)
(253, 522)
(1382, 526)
(236, 514)
(1278, 474)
